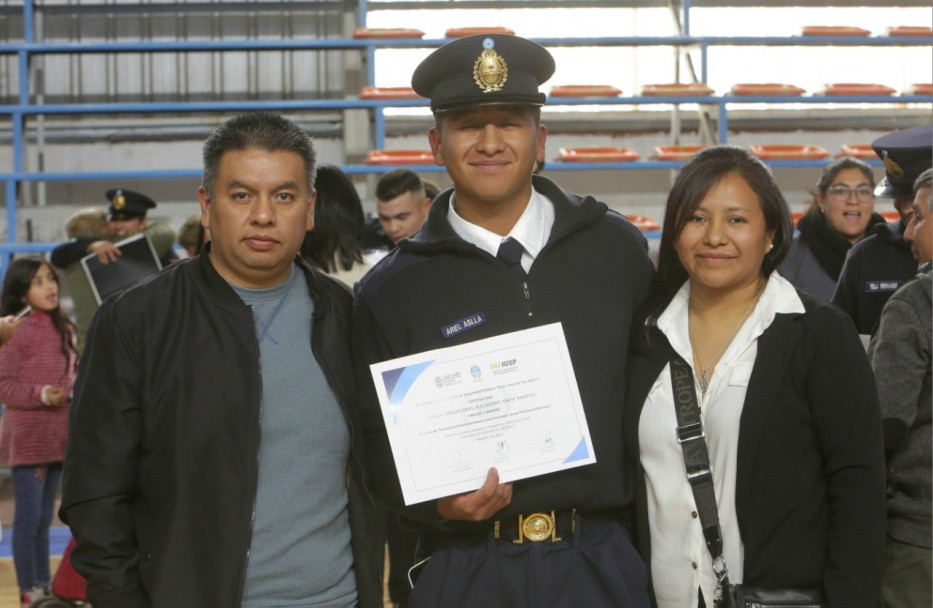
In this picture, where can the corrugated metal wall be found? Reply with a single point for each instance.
(177, 76)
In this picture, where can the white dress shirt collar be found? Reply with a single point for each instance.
(532, 229)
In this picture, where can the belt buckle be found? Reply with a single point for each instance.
(537, 527)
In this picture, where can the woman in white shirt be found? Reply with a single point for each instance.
(786, 397)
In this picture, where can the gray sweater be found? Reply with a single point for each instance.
(901, 358)
(300, 554)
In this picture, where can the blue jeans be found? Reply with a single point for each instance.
(34, 489)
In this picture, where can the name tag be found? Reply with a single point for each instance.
(475, 320)
(881, 286)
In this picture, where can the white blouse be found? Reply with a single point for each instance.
(680, 562)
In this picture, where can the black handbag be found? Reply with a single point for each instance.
(692, 440)
(743, 596)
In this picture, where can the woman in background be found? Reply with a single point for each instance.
(333, 245)
(786, 399)
(840, 214)
(37, 372)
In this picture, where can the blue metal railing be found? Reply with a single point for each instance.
(28, 47)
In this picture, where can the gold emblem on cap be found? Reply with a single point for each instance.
(490, 71)
(119, 201)
(893, 169)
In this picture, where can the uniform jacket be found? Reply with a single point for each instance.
(875, 267)
(33, 433)
(901, 357)
(810, 479)
(161, 472)
(591, 275)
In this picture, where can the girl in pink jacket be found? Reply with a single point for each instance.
(37, 371)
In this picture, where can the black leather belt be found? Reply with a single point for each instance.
(536, 527)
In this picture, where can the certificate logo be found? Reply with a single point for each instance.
(475, 371)
(447, 379)
(503, 367)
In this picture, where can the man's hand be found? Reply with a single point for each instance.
(479, 505)
(106, 251)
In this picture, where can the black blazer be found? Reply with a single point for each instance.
(810, 490)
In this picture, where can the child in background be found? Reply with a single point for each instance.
(37, 372)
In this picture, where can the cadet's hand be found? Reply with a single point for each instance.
(8, 326)
(479, 505)
(106, 251)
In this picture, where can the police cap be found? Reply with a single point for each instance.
(126, 204)
(484, 69)
(906, 154)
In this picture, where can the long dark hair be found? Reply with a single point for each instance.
(16, 285)
(698, 176)
(335, 241)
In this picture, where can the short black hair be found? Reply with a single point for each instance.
(398, 182)
(256, 131)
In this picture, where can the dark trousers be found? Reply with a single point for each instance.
(596, 567)
(402, 543)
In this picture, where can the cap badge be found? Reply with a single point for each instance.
(893, 169)
(490, 70)
(119, 201)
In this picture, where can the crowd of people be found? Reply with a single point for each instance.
(227, 445)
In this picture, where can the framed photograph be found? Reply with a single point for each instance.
(137, 261)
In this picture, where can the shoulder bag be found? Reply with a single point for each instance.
(692, 440)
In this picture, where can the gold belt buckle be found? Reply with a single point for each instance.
(537, 527)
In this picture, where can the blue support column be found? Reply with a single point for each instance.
(379, 126)
(686, 19)
(723, 123)
(704, 51)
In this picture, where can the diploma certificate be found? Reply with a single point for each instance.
(510, 402)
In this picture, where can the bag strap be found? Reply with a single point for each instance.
(692, 440)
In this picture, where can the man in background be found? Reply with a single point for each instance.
(900, 355)
(91, 230)
(880, 263)
(401, 206)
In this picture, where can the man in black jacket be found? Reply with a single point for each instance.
(575, 262)
(213, 458)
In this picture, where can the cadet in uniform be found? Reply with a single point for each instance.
(880, 263)
(511, 251)
(126, 216)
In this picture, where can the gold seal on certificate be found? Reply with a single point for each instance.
(510, 402)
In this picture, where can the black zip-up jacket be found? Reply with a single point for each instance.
(162, 462)
(591, 276)
(875, 267)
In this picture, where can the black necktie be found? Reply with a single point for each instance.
(510, 252)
